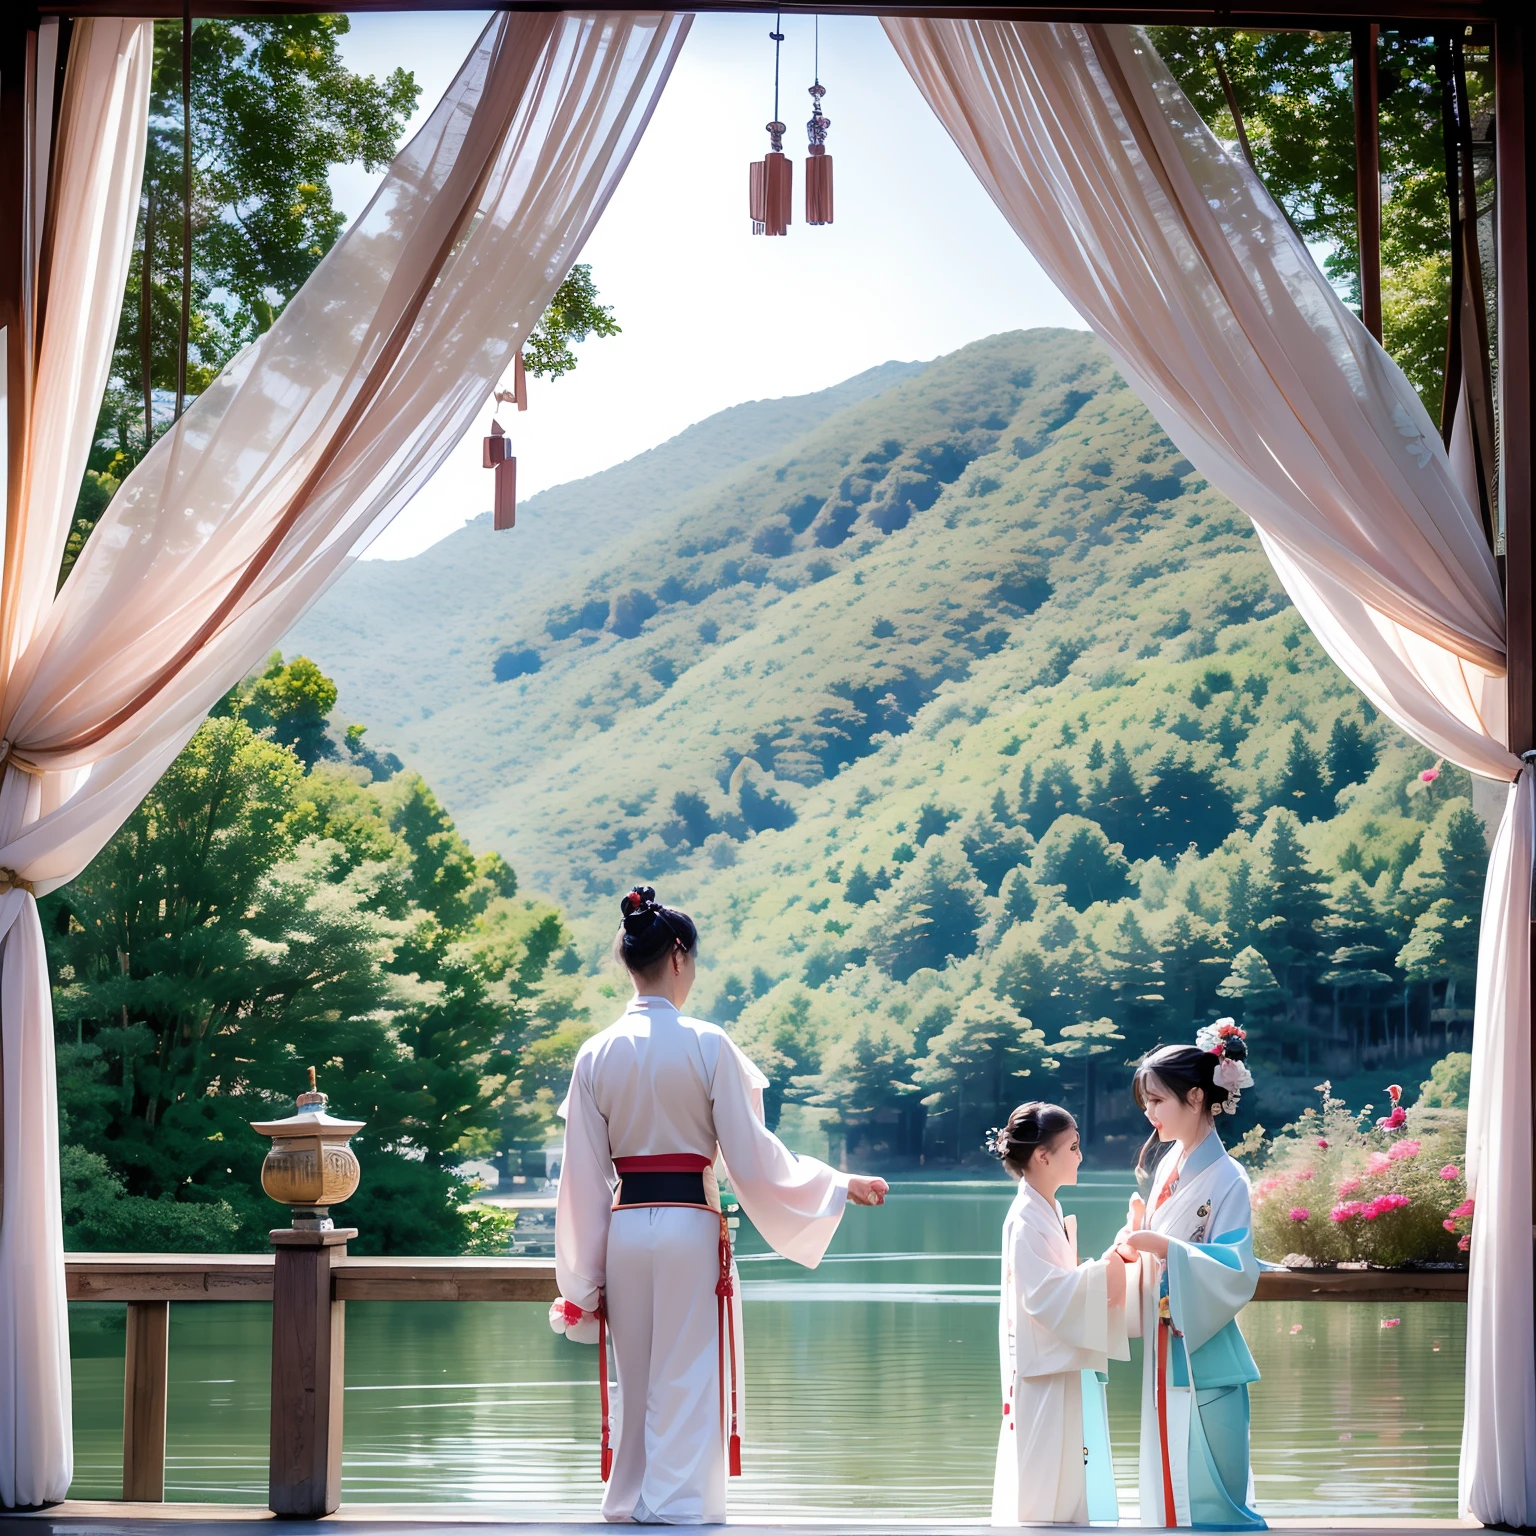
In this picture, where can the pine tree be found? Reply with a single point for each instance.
(1085, 1042)
(1193, 965)
(861, 887)
(1076, 855)
(1303, 788)
(1133, 966)
(1187, 805)
(1018, 896)
(1442, 892)
(1116, 804)
(1243, 911)
(1056, 793)
(1360, 951)
(1251, 985)
(1095, 758)
(1350, 757)
(868, 1082)
(974, 1070)
(933, 914)
(993, 849)
(1293, 937)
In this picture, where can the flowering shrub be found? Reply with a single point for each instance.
(1341, 1188)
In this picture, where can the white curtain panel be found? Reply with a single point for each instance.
(97, 167)
(1172, 250)
(274, 480)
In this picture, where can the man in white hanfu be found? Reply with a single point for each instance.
(1059, 1324)
(1194, 1238)
(641, 1245)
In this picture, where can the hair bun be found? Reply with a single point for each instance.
(639, 908)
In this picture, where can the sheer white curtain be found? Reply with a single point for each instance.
(265, 490)
(1215, 312)
(96, 172)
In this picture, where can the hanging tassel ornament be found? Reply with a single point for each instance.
(818, 163)
(770, 185)
(496, 451)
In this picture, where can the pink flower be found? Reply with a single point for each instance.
(1405, 1148)
(1465, 1208)
(1345, 1212)
(1450, 1171)
(1268, 1186)
(1348, 1187)
(1448, 1224)
(1300, 1213)
(1295, 1327)
(1306, 1173)
(1377, 1162)
(1429, 775)
(1391, 1322)
(1399, 1116)
(1465, 1242)
(1323, 1143)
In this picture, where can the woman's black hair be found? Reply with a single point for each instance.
(649, 932)
(1030, 1127)
(1180, 1069)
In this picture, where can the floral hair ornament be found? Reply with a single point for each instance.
(1229, 1045)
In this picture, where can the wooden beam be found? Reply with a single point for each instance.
(1375, 1285)
(135, 1277)
(446, 1280)
(1516, 422)
(1363, 40)
(146, 1375)
(1300, 15)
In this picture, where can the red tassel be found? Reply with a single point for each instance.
(735, 1455)
(496, 454)
(757, 207)
(605, 1460)
(818, 186)
(520, 380)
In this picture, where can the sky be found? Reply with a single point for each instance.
(918, 263)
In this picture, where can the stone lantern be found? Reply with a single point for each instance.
(310, 1166)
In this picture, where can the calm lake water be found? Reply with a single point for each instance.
(872, 1388)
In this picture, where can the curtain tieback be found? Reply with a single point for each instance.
(8, 756)
(11, 881)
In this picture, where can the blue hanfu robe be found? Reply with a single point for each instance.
(1056, 1335)
(1196, 1364)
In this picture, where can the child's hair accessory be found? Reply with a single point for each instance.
(1229, 1045)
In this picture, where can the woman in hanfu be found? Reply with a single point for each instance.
(1059, 1324)
(1194, 1235)
(642, 1249)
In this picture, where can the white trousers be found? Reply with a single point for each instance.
(669, 1449)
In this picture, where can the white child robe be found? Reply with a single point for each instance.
(1056, 1333)
(656, 1083)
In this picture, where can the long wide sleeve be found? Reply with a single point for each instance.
(795, 1202)
(1069, 1306)
(1209, 1283)
(585, 1201)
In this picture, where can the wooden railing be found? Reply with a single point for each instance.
(309, 1283)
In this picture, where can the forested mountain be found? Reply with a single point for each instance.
(970, 723)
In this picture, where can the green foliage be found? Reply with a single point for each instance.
(572, 316)
(250, 919)
(929, 819)
(1449, 1084)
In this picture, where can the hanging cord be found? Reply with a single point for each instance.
(186, 207)
(816, 68)
(778, 42)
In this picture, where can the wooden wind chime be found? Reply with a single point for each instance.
(770, 181)
(497, 450)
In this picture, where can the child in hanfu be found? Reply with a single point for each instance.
(1059, 1324)
(1194, 1236)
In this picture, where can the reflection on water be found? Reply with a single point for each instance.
(872, 1388)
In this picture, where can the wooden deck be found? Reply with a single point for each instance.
(103, 1519)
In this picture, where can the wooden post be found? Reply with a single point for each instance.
(146, 1366)
(308, 1347)
(1367, 174)
(1516, 421)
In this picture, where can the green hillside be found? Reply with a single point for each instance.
(973, 727)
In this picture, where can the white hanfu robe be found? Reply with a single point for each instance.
(1056, 1333)
(1209, 1276)
(656, 1083)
